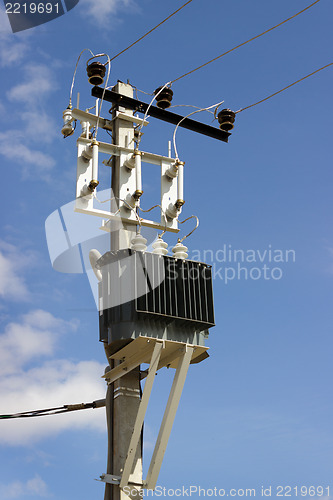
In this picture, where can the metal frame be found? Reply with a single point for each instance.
(85, 200)
(158, 353)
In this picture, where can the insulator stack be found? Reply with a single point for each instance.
(96, 73)
(172, 211)
(67, 129)
(180, 251)
(160, 247)
(85, 129)
(172, 171)
(226, 119)
(87, 153)
(130, 162)
(164, 97)
(94, 181)
(180, 185)
(139, 243)
(138, 177)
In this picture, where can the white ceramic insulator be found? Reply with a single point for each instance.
(67, 115)
(139, 243)
(86, 192)
(138, 180)
(94, 173)
(94, 255)
(130, 162)
(180, 184)
(87, 153)
(160, 247)
(172, 171)
(172, 211)
(67, 129)
(130, 200)
(180, 251)
(85, 129)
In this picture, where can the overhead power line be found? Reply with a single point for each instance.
(150, 31)
(285, 88)
(55, 411)
(244, 43)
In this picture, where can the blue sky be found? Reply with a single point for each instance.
(259, 410)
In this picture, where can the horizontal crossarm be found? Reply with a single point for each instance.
(161, 114)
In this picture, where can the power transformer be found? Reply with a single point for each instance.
(145, 294)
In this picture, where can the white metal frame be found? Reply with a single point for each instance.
(158, 353)
(127, 181)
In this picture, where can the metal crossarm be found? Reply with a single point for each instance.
(161, 114)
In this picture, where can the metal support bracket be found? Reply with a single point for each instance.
(109, 478)
(157, 353)
(112, 479)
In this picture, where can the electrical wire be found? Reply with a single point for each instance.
(165, 219)
(55, 411)
(125, 202)
(146, 114)
(285, 88)
(189, 234)
(150, 31)
(74, 75)
(217, 105)
(244, 43)
(138, 90)
(142, 91)
(187, 106)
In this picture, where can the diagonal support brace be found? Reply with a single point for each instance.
(141, 414)
(168, 418)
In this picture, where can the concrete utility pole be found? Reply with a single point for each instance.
(123, 396)
(154, 308)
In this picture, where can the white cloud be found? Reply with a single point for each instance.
(37, 83)
(18, 144)
(32, 338)
(13, 47)
(34, 486)
(11, 52)
(52, 383)
(14, 147)
(40, 127)
(12, 284)
(102, 10)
